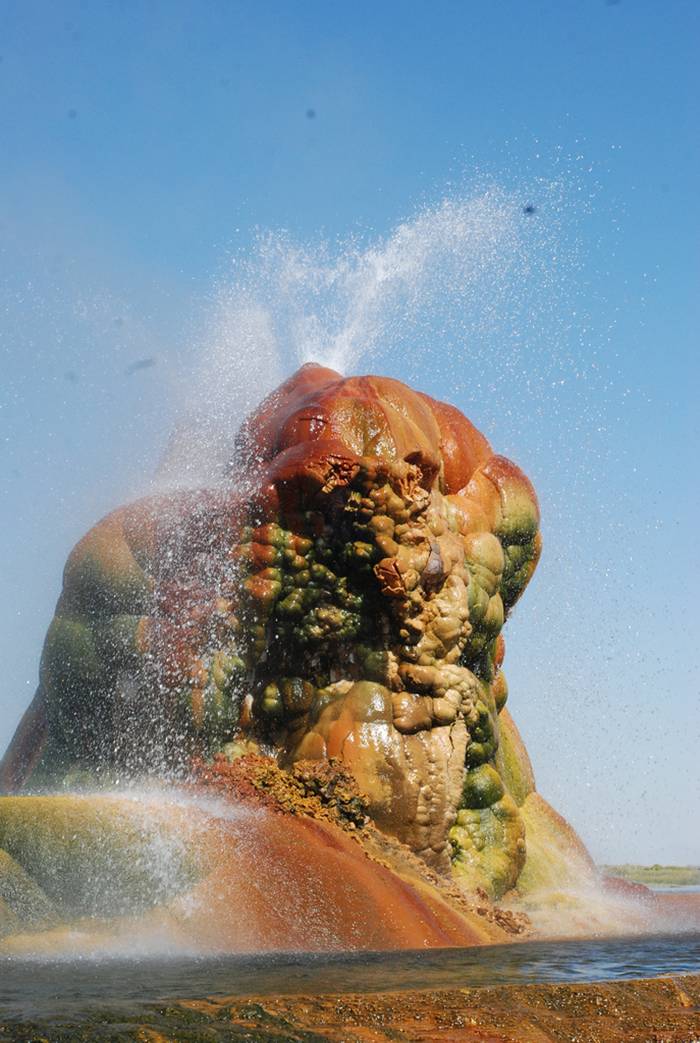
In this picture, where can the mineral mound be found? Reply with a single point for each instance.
(340, 595)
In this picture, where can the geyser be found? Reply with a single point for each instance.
(340, 599)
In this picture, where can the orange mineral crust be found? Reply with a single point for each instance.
(320, 892)
(661, 1009)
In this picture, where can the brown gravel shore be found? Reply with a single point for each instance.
(658, 1010)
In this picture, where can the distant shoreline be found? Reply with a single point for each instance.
(656, 875)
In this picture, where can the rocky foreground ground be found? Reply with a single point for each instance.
(661, 1010)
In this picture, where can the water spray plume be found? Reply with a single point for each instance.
(461, 283)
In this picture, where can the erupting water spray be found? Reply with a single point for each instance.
(473, 293)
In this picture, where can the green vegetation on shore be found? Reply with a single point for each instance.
(659, 876)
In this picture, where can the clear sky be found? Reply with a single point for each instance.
(143, 144)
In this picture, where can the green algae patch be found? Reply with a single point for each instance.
(556, 857)
(482, 787)
(488, 847)
(512, 761)
(95, 856)
(22, 901)
(102, 577)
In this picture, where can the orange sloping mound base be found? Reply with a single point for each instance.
(294, 883)
(309, 871)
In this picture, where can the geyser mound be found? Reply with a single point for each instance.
(319, 639)
(344, 597)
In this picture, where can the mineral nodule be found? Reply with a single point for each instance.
(340, 595)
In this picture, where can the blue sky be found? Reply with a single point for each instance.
(144, 144)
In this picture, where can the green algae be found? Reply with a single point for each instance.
(90, 856)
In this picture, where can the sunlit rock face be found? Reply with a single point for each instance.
(342, 595)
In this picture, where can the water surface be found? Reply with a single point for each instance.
(33, 988)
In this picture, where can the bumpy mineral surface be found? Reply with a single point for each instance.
(341, 594)
(658, 1010)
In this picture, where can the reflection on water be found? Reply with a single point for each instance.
(34, 988)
